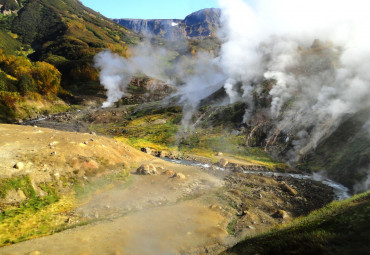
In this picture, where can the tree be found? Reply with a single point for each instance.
(26, 84)
(47, 78)
(10, 5)
(16, 66)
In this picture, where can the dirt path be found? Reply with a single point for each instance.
(162, 230)
(157, 214)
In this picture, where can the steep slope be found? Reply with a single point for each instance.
(200, 24)
(339, 228)
(165, 28)
(63, 33)
(41, 172)
(345, 154)
(66, 34)
(203, 23)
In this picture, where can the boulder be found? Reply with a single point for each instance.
(169, 173)
(19, 165)
(159, 122)
(285, 187)
(179, 176)
(175, 155)
(34, 253)
(281, 214)
(147, 150)
(90, 164)
(14, 196)
(164, 154)
(223, 162)
(146, 169)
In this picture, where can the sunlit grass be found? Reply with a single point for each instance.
(143, 131)
(340, 226)
(40, 216)
(31, 223)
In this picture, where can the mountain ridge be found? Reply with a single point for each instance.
(199, 24)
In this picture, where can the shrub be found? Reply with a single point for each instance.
(47, 78)
(9, 99)
(26, 84)
(9, 5)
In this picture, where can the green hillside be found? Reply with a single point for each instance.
(339, 228)
(65, 34)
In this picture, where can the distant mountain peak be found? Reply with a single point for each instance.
(200, 24)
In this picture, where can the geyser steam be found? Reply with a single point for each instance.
(116, 72)
(317, 52)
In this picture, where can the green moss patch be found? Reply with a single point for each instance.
(339, 228)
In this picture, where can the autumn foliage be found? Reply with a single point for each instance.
(21, 75)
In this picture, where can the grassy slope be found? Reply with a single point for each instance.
(39, 216)
(339, 228)
(345, 154)
(160, 129)
(80, 24)
(66, 34)
(8, 43)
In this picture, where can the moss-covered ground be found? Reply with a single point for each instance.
(341, 227)
(160, 129)
(44, 215)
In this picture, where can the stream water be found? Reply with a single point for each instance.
(341, 192)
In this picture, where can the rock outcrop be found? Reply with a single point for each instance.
(146, 169)
(200, 24)
(166, 28)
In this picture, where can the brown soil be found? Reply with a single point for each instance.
(157, 214)
(46, 152)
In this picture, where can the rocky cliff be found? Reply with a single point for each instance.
(166, 28)
(200, 24)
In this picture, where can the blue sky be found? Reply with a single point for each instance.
(148, 9)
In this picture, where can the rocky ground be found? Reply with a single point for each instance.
(164, 208)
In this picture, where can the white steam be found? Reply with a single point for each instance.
(317, 52)
(116, 72)
(204, 79)
(364, 184)
(200, 76)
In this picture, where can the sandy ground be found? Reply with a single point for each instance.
(46, 150)
(155, 214)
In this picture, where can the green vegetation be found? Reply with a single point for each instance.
(345, 154)
(35, 216)
(63, 33)
(159, 128)
(69, 35)
(44, 215)
(61, 37)
(9, 5)
(341, 227)
(231, 226)
(9, 44)
(27, 88)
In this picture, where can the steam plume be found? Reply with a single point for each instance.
(116, 72)
(317, 53)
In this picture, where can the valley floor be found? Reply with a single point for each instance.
(205, 212)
